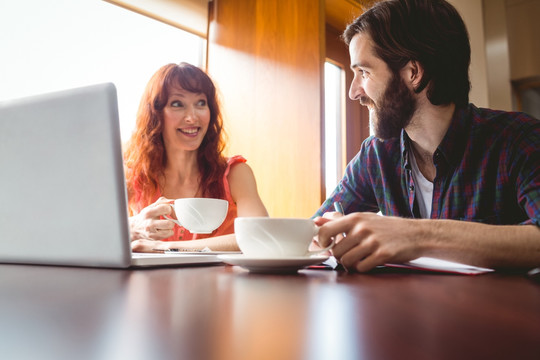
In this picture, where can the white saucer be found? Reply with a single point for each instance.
(274, 265)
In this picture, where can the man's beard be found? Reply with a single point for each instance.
(395, 110)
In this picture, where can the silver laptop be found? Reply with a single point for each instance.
(62, 188)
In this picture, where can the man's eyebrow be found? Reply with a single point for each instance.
(359, 65)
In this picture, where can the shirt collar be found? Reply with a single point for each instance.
(404, 146)
(457, 136)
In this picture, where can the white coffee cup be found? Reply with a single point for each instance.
(265, 237)
(200, 215)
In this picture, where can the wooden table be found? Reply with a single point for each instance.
(224, 312)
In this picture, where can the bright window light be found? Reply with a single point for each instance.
(333, 132)
(59, 44)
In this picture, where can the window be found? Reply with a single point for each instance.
(58, 44)
(334, 125)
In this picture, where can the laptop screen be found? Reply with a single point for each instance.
(62, 189)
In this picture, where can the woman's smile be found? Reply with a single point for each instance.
(192, 131)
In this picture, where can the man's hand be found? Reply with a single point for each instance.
(371, 239)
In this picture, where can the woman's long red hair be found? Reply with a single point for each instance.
(145, 157)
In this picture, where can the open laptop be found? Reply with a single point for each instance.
(62, 190)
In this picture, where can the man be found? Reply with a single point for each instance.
(453, 181)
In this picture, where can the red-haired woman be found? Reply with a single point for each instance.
(176, 152)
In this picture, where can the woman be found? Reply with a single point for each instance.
(176, 152)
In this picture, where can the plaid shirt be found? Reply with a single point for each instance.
(488, 170)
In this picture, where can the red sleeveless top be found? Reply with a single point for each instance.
(181, 233)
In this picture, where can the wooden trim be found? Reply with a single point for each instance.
(199, 29)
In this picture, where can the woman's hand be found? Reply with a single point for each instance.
(147, 224)
(148, 246)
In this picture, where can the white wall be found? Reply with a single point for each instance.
(497, 51)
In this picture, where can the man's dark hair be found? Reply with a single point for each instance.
(430, 32)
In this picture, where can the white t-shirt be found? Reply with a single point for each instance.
(423, 189)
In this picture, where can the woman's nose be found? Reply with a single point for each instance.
(189, 114)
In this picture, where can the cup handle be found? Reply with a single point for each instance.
(318, 252)
(173, 220)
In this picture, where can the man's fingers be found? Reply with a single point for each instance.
(332, 215)
(359, 257)
(320, 221)
(331, 229)
(367, 264)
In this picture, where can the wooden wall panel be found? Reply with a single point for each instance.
(267, 59)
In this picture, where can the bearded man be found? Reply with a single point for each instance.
(452, 181)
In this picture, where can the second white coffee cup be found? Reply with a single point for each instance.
(265, 237)
(200, 215)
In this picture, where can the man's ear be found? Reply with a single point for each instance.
(413, 72)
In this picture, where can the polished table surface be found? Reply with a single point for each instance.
(225, 312)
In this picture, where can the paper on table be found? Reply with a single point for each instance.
(437, 265)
